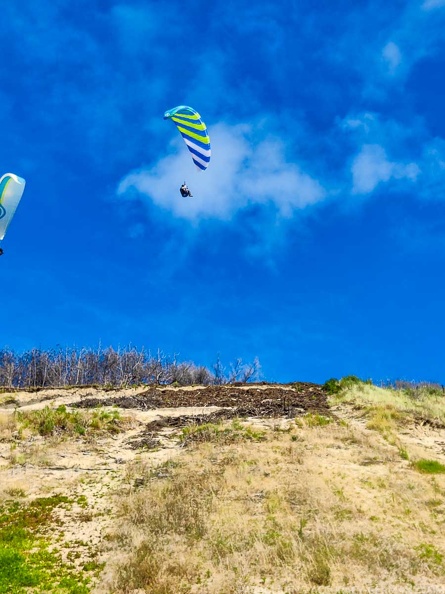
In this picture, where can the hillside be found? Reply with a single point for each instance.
(254, 488)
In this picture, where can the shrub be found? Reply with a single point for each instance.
(332, 386)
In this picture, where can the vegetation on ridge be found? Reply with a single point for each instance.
(112, 368)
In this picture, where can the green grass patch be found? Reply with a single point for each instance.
(316, 420)
(403, 453)
(429, 466)
(26, 563)
(429, 552)
(60, 421)
(433, 558)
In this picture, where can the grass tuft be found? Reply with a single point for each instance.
(316, 420)
(60, 421)
(429, 466)
(221, 433)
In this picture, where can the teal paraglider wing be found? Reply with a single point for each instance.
(193, 131)
(11, 190)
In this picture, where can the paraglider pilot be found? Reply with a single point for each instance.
(185, 191)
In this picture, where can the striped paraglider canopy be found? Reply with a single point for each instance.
(11, 190)
(193, 131)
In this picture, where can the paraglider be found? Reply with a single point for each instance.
(185, 191)
(195, 135)
(11, 190)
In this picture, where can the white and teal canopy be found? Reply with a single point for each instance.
(193, 131)
(11, 190)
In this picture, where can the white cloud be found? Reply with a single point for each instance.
(392, 56)
(362, 123)
(412, 33)
(241, 173)
(431, 4)
(371, 167)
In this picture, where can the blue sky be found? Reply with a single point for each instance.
(315, 240)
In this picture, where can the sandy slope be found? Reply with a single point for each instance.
(96, 469)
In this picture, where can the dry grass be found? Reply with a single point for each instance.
(322, 506)
(7, 426)
(38, 437)
(309, 506)
(221, 433)
(420, 404)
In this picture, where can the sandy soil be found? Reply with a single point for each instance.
(94, 470)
